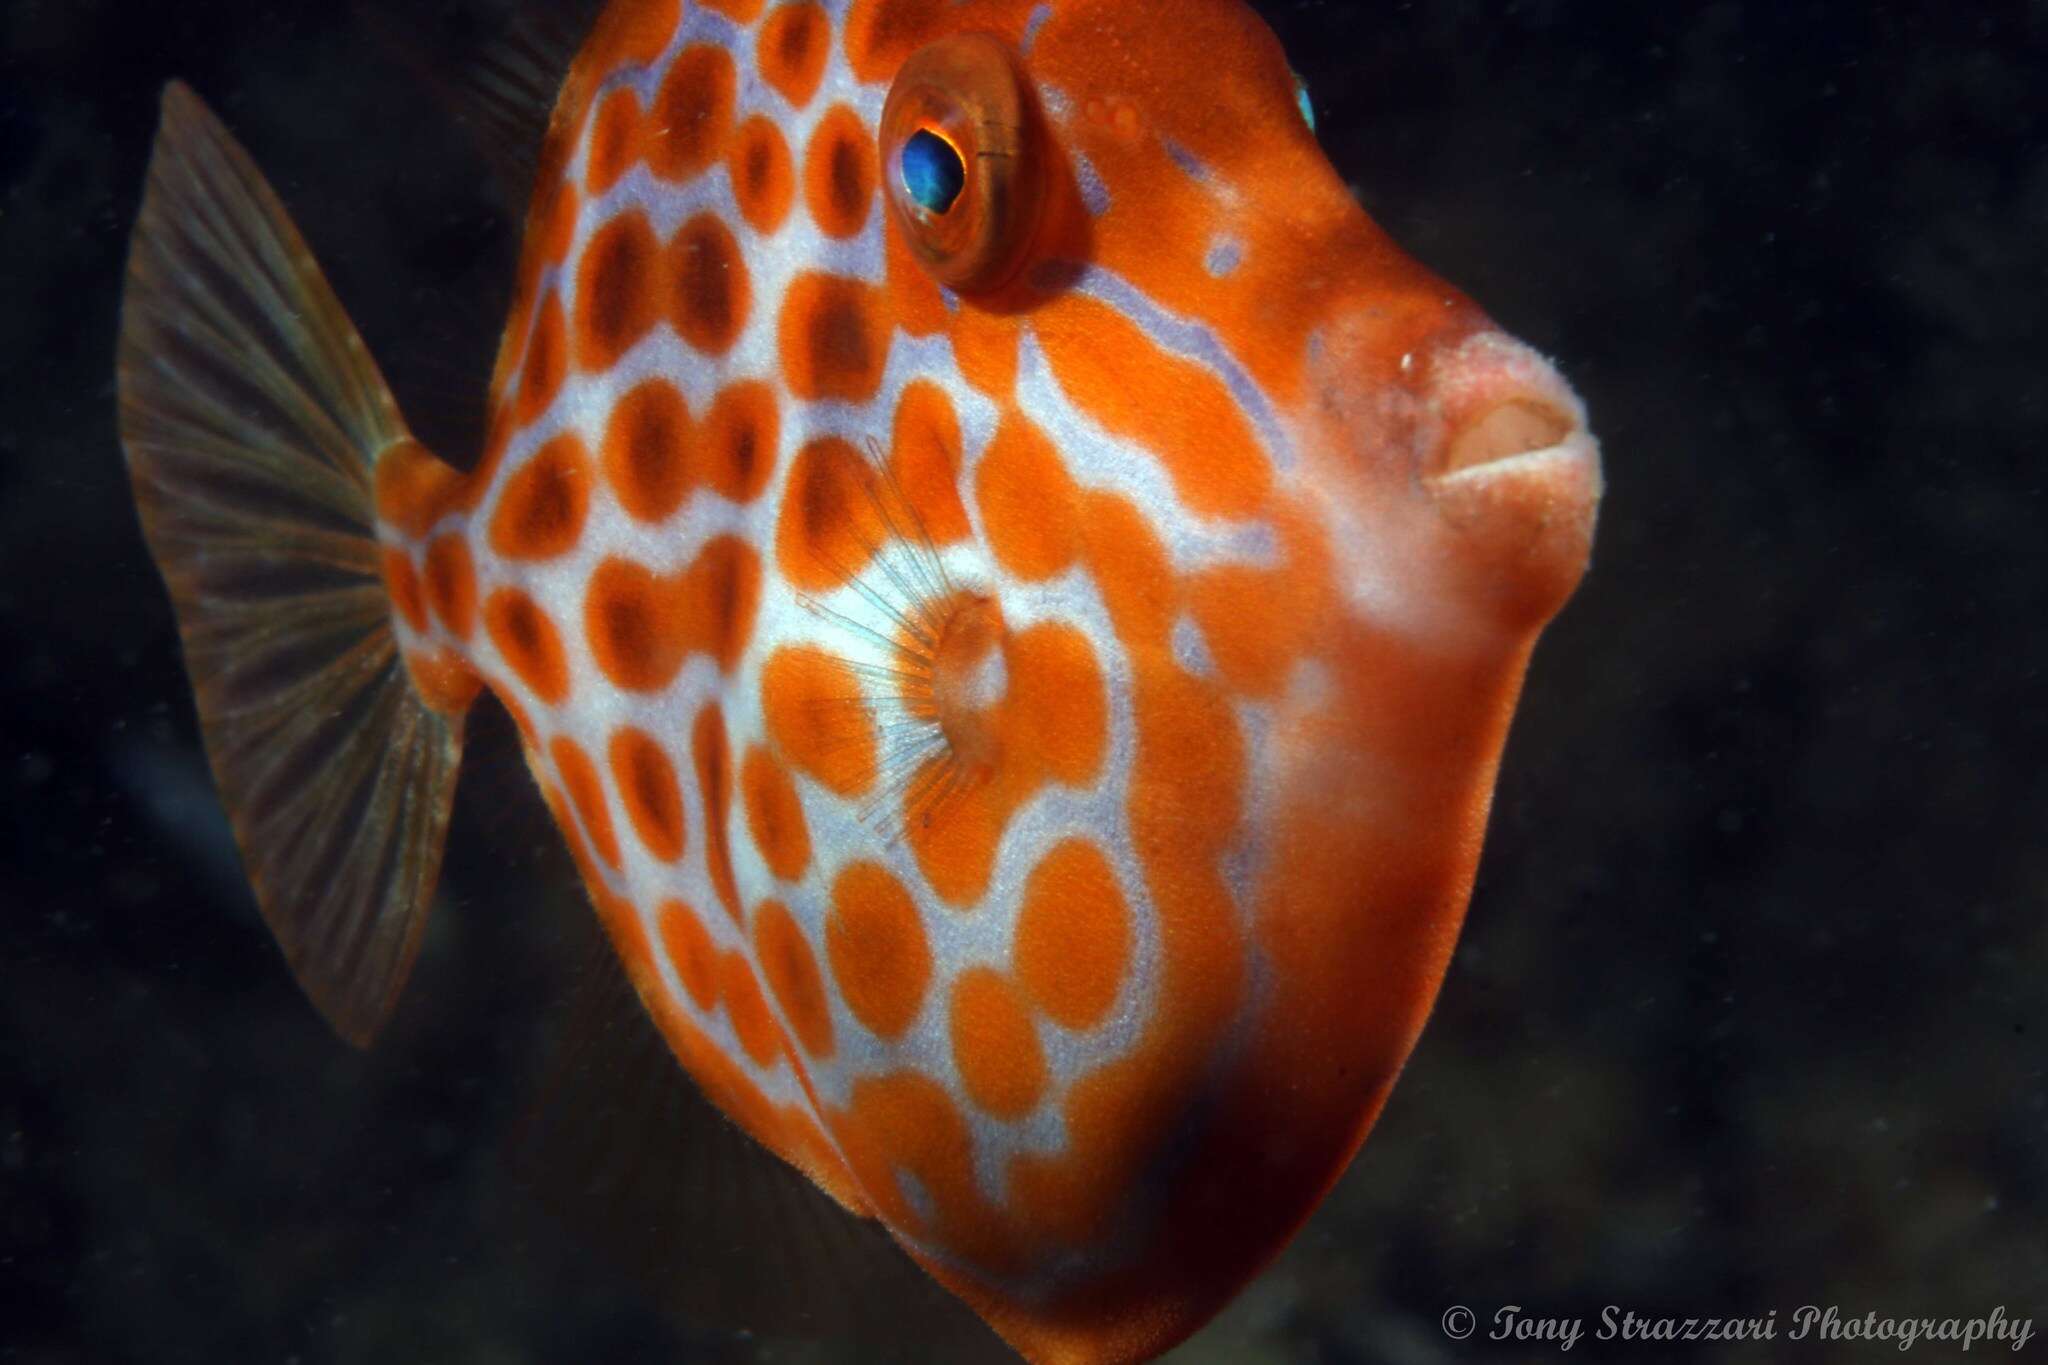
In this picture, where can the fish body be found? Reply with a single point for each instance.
(1012, 588)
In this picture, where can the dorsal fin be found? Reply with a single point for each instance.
(501, 87)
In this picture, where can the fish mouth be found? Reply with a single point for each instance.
(1512, 470)
(1503, 413)
(1518, 434)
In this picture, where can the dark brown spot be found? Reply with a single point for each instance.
(540, 514)
(711, 292)
(849, 181)
(647, 450)
(714, 782)
(615, 298)
(796, 43)
(692, 113)
(839, 343)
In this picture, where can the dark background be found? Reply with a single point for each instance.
(1750, 1009)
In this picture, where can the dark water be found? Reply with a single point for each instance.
(1749, 1013)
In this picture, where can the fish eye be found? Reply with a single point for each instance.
(961, 161)
(933, 174)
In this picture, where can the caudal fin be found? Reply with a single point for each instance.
(253, 416)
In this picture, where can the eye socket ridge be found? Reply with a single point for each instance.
(933, 172)
(962, 161)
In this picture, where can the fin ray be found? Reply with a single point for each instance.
(252, 416)
(502, 90)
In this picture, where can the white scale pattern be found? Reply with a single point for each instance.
(840, 832)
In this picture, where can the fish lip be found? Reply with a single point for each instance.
(1501, 413)
(1544, 462)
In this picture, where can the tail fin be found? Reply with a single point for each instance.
(253, 416)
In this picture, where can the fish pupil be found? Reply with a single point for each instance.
(932, 171)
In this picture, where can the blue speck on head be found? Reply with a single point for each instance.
(1303, 103)
(1224, 255)
(932, 172)
(1039, 14)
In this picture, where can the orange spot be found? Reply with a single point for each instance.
(1178, 410)
(1027, 501)
(647, 788)
(550, 230)
(904, 1123)
(830, 522)
(839, 173)
(832, 338)
(924, 461)
(1188, 780)
(631, 629)
(444, 681)
(642, 626)
(415, 488)
(628, 935)
(614, 141)
(748, 1011)
(740, 435)
(692, 113)
(723, 591)
(763, 175)
(1253, 622)
(402, 585)
(579, 775)
(540, 513)
(955, 843)
(648, 448)
(1073, 935)
(1259, 622)
(527, 640)
(618, 290)
(876, 947)
(547, 357)
(451, 584)
(995, 1045)
(739, 11)
(881, 33)
(985, 347)
(714, 784)
(817, 719)
(690, 950)
(1057, 709)
(792, 973)
(710, 294)
(792, 51)
(1130, 569)
(775, 815)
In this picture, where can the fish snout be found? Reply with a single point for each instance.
(1513, 471)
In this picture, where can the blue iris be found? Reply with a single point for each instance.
(932, 172)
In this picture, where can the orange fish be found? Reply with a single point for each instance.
(1012, 587)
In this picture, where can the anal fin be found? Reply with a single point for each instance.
(252, 416)
(721, 1233)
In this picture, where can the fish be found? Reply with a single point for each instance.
(1012, 587)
